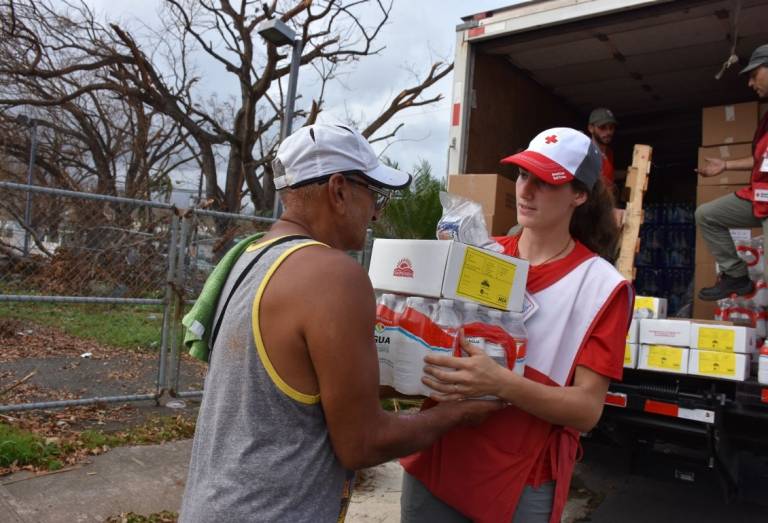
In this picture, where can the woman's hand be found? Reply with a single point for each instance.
(460, 378)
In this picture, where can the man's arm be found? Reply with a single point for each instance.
(340, 317)
(715, 166)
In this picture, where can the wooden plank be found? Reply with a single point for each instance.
(637, 183)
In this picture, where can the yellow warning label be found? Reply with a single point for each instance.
(717, 364)
(663, 357)
(485, 278)
(645, 302)
(627, 354)
(717, 339)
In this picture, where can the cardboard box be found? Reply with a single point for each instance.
(650, 307)
(630, 355)
(663, 358)
(762, 109)
(726, 152)
(726, 124)
(666, 332)
(712, 364)
(448, 269)
(495, 193)
(633, 332)
(707, 193)
(723, 337)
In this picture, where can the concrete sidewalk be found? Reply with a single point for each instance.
(150, 479)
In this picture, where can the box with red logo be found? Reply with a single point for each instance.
(448, 269)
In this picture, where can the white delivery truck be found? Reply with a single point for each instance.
(539, 64)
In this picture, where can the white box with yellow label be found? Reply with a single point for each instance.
(663, 358)
(630, 355)
(448, 269)
(633, 332)
(666, 332)
(713, 364)
(723, 338)
(650, 307)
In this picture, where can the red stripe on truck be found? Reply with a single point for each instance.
(456, 116)
(764, 395)
(659, 407)
(616, 399)
(476, 31)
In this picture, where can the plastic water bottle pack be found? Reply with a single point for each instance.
(410, 328)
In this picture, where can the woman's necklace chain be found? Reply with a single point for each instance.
(561, 251)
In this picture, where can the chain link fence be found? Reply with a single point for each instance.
(93, 289)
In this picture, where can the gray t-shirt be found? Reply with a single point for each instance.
(261, 450)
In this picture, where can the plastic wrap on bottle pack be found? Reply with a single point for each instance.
(752, 252)
(741, 311)
(463, 221)
(389, 308)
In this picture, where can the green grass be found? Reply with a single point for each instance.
(25, 448)
(134, 327)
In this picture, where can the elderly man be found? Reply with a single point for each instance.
(747, 207)
(291, 402)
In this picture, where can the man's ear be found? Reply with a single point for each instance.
(337, 192)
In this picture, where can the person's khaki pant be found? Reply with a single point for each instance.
(715, 218)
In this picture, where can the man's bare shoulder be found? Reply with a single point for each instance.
(326, 268)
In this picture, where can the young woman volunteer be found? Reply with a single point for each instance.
(517, 465)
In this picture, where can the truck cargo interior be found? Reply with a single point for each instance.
(655, 66)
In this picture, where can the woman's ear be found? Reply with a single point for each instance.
(580, 198)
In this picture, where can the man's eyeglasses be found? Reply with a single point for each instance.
(381, 195)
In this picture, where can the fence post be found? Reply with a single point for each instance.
(162, 382)
(180, 281)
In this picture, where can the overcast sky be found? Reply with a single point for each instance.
(418, 33)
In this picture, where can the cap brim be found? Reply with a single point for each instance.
(751, 66)
(542, 167)
(388, 177)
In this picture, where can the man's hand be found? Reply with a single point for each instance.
(712, 167)
(470, 412)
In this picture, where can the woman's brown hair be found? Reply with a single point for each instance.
(593, 222)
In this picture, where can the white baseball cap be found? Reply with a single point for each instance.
(320, 150)
(559, 155)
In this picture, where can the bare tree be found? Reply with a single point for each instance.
(156, 75)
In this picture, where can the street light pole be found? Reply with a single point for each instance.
(276, 32)
(286, 126)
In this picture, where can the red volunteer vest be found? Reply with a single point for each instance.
(481, 471)
(757, 191)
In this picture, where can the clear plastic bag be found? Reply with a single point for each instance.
(463, 221)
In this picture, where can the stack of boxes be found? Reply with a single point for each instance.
(682, 346)
(727, 133)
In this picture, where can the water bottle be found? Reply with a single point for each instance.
(448, 319)
(498, 351)
(389, 308)
(471, 324)
(417, 324)
(762, 368)
(515, 327)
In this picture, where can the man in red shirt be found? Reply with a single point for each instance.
(748, 207)
(602, 126)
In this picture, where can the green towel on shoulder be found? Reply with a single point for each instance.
(198, 322)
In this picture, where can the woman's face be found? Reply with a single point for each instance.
(543, 206)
